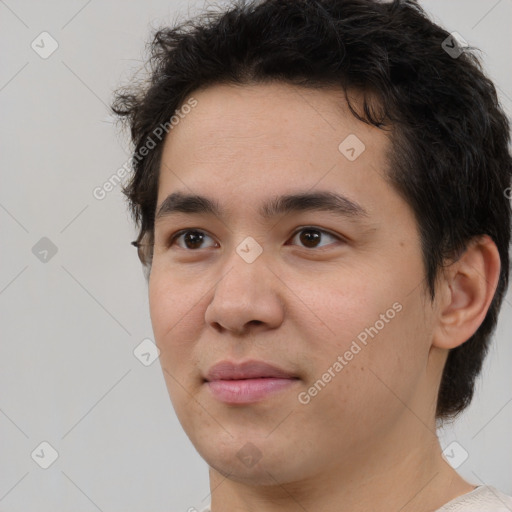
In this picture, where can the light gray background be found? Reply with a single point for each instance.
(68, 375)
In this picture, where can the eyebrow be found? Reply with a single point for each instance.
(178, 202)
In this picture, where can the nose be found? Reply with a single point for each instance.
(247, 297)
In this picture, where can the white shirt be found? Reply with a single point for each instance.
(484, 498)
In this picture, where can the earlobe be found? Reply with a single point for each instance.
(466, 290)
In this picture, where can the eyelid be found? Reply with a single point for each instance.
(322, 248)
(177, 234)
(322, 230)
(171, 240)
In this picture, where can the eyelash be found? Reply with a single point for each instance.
(178, 234)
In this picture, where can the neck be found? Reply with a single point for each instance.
(401, 471)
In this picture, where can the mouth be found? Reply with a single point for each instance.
(247, 382)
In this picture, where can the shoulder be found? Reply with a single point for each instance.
(484, 497)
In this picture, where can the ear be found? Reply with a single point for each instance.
(465, 291)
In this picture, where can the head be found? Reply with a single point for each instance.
(276, 98)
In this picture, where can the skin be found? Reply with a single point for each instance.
(368, 440)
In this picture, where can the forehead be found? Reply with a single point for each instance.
(268, 137)
(268, 113)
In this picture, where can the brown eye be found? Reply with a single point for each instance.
(310, 237)
(191, 239)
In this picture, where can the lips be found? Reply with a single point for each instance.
(248, 382)
(227, 370)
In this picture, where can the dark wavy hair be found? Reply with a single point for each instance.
(449, 156)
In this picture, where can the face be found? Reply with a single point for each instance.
(334, 297)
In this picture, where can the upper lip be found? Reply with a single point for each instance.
(228, 370)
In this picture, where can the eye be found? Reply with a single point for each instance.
(192, 238)
(311, 236)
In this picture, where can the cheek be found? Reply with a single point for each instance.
(359, 319)
(343, 306)
(163, 307)
(370, 387)
(174, 318)
(176, 330)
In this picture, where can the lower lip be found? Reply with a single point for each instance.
(247, 390)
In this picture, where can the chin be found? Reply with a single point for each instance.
(241, 461)
(254, 476)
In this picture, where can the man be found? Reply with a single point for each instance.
(321, 189)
